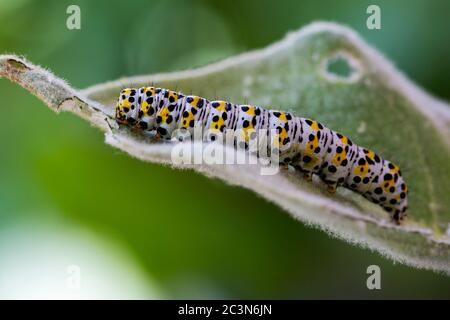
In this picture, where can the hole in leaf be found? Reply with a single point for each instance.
(341, 67)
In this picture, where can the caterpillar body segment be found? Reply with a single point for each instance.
(303, 143)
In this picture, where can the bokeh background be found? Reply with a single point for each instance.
(69, 201)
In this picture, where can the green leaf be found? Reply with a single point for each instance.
(326, 72)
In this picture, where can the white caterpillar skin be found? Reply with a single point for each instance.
(305, 144)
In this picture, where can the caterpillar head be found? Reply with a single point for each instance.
(127, 106)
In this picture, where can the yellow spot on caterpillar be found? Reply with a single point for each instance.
(314, 125)
(370, 154)
(251, 111)
(195, 101)
(217, 125)
(126, 103)
(283, 117)
(339, 157)
(164, 113)
(344, 140)
(395, 168)
(221, 106)
(174, 95)
(186, 121)
(361, 170)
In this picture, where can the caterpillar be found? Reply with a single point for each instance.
(305, 144)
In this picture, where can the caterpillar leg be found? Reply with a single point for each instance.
(157, 136)
(332, 187)
(307, 176)
(399, 213)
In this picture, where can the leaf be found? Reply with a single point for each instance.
(326, 72)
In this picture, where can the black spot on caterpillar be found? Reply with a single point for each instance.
(307, 145)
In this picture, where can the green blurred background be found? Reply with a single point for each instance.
(68, 199)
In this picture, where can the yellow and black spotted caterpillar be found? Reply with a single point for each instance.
(305, 144)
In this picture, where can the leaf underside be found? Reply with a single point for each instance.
(373, 103)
